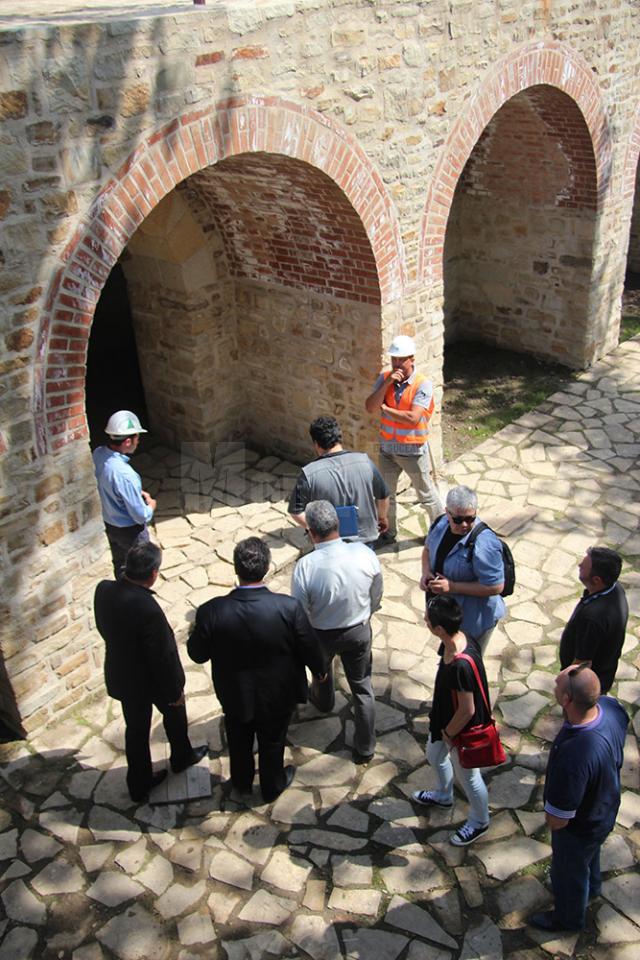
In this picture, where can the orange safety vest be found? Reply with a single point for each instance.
(401, 432)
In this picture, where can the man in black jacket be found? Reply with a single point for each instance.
(595, 632)
(142, 668)
(258, 643)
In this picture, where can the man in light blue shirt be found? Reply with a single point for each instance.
(340, 586)
(126, 507)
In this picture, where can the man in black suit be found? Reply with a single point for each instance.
(142, 668)
(258, 643)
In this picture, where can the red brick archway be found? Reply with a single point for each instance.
(189, 144)
(552, 64)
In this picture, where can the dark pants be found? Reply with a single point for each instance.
(137, 717)
(271, 732)
(353, 645)
(121, 539)
(575, 876)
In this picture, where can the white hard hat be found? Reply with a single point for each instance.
(123, 423)
(402, 347)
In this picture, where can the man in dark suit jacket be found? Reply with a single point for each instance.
(258, 643)
(142, 667)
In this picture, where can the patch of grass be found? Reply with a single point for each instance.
(487, 388)
(629, 326)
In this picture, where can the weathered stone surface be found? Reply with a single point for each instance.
(21, 905)
(325, 770)
(94, 856)
(501, 860)
(513, 788)
(156, 875)
(229, 868)
(521, 712)
(482, 940)
(317, 937)
(196, 929)
(58, 877)
(64, 826)
(106, 824)
(134, 935)
(19, 944)
(8, 845)
(411, 875)
(352, 871)
(294, 806)
(179, 898)
(413, 919)
(112, 889)
(252, 838)
(266, 944)
(624, 893)
(365, 943)
(285, 872)
(264, 907)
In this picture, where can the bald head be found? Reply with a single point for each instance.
(581, 685)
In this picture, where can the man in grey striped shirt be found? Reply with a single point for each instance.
(340, 585)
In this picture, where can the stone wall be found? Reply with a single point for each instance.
(318, 149)
(634, 236)
(183, 306)
(304, 355)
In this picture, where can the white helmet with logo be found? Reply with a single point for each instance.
(402, 347)
(123, 423)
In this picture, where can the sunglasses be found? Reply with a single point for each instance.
(462, 519)
(574, 673)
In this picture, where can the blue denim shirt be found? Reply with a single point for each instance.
(486, 566)
(120, 489)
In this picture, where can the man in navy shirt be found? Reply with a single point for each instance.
(581, 794)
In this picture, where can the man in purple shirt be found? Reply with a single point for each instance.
(581, 794)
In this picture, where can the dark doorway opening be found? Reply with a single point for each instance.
(113, 379)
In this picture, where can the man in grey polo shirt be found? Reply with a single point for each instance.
(344, 478)
(340, 586)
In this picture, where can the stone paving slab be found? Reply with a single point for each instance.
(343, 864)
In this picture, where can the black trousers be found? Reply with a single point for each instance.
(271, 732)
(120, 540)
(137, 717)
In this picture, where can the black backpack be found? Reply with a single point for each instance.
(507, 557)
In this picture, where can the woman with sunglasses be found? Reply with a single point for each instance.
(473, 575)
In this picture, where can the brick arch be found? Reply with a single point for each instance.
(187, 145)
(552, 64)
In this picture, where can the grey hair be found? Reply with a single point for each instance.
(321, 518)
(461, 498)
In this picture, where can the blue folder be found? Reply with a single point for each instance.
(348, 517)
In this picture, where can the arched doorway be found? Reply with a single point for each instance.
(630, 324)
(256, 305)
(518, 255)
(113, 380)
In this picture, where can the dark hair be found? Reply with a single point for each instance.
(251, 559)
(326, 432)
(142, 559)
(445, 612)
(606, 564)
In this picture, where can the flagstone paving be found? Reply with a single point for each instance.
(343, 864)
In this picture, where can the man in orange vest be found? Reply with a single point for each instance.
(405, 400)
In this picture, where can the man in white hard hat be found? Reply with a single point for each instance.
(126, 507)
(405, 400)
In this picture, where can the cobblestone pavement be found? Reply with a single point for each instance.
(343, 864)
